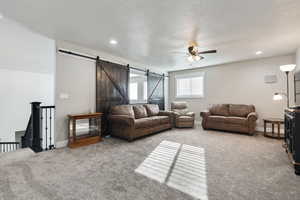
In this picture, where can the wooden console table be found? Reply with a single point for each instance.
(273, 122)
(84, 133)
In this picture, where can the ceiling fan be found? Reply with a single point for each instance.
(194, 54)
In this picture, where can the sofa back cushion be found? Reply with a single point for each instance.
(152, 109)
(240, 110)
(139, 111)
(179, 107)
(122, 110)
(220, 109)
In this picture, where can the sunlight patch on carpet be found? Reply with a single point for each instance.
(157, 165)
(181, 167)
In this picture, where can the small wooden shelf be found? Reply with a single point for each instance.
(84, 129)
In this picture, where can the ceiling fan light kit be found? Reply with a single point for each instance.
(194, 58)
(195, 55)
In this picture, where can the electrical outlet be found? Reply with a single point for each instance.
(63, 96)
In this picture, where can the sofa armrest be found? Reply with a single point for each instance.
(252, 116)
(124, 119)
(165, 113)
(205, 114)
(170, 114)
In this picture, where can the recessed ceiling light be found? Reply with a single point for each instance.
(1, 16)
(258, 52)
(112, 41)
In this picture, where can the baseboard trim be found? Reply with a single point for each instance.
(61, 144)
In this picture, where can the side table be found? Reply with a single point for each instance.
(273, 122)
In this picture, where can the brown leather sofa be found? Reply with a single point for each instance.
(132, 121)
(182, 117)
(230, 117)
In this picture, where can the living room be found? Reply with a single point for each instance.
(160, 100)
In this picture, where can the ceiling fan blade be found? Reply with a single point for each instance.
(210, 51)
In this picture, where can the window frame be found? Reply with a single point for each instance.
(140, 87)
(137, 90)
(186, 76)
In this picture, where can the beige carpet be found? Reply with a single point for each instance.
(237, 166)
(179, 166)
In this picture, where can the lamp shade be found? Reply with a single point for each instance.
(277, 97)
(287, 68)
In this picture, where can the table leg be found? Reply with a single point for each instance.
(74, 129)
(272, 129)
(265, 128)
(69, 129)
(278, 130)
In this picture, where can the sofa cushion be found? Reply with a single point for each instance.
(239, 110)
(122, 110)
(160, 120)
(216, 118)
(152, 109)
(140, 111)
(220, 109)
(236, 120)
(151, 121)
(143, 123)
(185, 118)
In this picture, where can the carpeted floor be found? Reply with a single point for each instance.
(238, 167)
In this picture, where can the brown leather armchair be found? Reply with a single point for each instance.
(183, 118)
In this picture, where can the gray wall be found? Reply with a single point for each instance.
(241, 83)
(75, 90)
(298, 59)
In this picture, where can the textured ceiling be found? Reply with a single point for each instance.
(154, 32)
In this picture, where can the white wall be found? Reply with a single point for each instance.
(76, 78)
(240, 83)
(298, 59)
(27, 64)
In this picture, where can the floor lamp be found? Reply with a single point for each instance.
(279, 96)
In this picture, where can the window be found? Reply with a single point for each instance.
(137, 87)
(190, 86)
(133, 91)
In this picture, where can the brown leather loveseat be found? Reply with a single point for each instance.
(133, 121)
(230, 117)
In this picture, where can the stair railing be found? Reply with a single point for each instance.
(9, 146)
(39, 135)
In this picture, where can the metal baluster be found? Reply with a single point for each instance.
(42, 133)
(46, 128)
(50, 142)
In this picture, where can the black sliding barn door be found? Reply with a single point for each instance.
(155, 85)
(111, 88)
